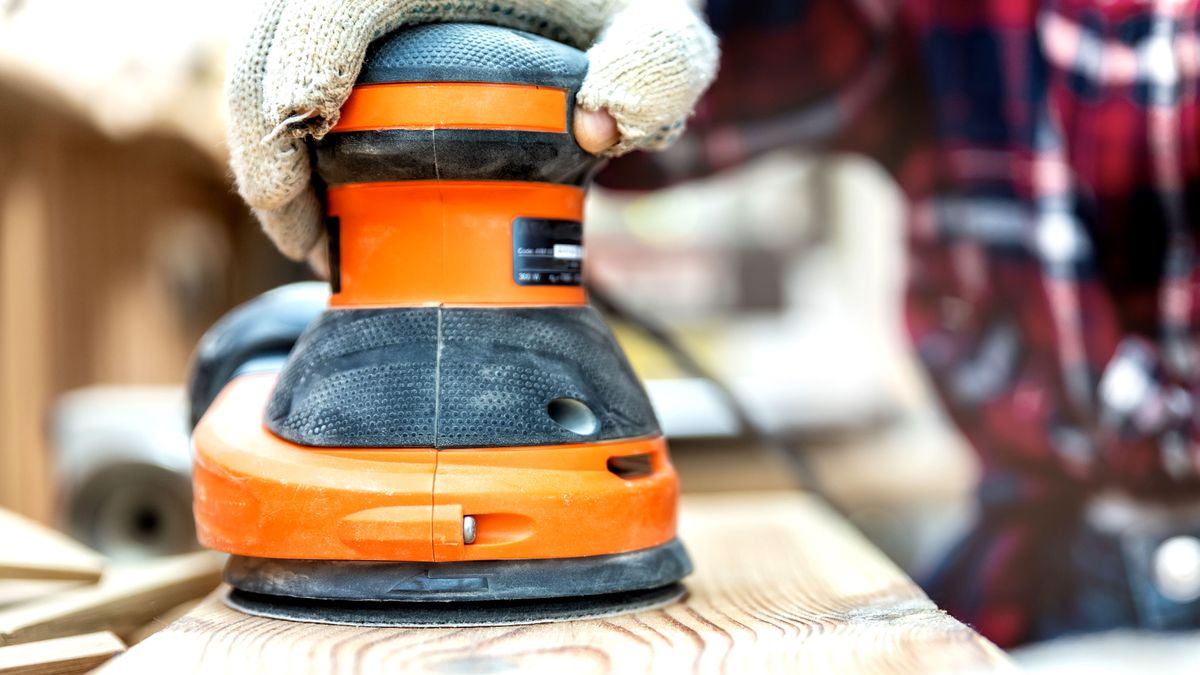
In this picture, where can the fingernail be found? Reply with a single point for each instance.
(595, 131)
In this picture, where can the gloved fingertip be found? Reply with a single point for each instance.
(595, 131)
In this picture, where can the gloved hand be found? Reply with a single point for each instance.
(290, 75)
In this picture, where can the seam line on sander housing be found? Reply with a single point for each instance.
(437, 427)
(437, 384)
(437, 363)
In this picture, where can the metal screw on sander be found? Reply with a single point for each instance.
(468, 529)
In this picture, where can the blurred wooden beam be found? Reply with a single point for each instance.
(24, 347)
(128, 597)
(60, 656)
(15, 591)
(33, 551)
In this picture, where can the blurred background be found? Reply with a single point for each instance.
(122, 241)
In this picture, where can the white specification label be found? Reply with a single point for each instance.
(568, 251)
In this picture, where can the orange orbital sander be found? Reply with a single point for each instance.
(452, 436)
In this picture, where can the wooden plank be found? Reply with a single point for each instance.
(32, 551)
(162, 621)
(781, 585)
(60, 656)
(16, 591)
(24, 340)
(126, 598)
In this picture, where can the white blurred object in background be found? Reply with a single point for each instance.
(790, 266)
(123, 469)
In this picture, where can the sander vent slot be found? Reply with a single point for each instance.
(631, 466)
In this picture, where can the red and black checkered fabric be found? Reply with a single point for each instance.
(1050, 152)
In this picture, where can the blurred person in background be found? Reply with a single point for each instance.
(1049, 151)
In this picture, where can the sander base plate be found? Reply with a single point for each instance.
(452, 614)
(455, 594)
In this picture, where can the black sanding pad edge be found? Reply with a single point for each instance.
(452, 614)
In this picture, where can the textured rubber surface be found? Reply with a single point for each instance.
(452, 154)
(453, 614)
(267, 326)
(464, 52)
(345, 580)
(455, 378)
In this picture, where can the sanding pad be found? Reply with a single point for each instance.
(452, 614)
(455, 594)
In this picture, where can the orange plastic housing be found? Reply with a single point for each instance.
(455, 246)
(454, 105)
(258, 495)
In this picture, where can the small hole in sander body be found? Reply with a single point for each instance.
(573, 415)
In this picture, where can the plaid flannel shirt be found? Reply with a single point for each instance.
(1050, 152)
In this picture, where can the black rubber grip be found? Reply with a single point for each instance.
(457, 378)
(468, 52)
(266, 327)
(403, 154)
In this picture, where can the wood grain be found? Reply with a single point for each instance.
(33, 551)
(781, 585)
(60, 656)
(127, 598)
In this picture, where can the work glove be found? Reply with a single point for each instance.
(291, 72)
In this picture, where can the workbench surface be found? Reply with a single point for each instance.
(782, 584)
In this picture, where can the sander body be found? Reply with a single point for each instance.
(455, 436)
